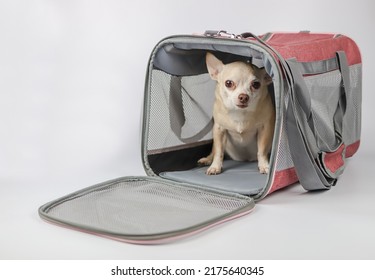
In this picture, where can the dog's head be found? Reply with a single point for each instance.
(239, 84)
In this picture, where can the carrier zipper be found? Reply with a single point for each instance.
(242, 36)
(221, 34)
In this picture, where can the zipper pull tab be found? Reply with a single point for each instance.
(221, 34)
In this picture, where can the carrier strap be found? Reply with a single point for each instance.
(177, 114)
(310, 167)
(308, 172)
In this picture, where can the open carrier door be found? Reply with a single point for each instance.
(145, 210)
(178, 100)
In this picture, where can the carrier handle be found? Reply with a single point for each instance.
(177, 117)
(345, 90)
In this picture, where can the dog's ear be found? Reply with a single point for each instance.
(214, 65)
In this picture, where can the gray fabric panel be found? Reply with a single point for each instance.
(185, 59)
(237, 177)
(142, 209)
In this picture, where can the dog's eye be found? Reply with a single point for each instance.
(229, 84)
(255, 84)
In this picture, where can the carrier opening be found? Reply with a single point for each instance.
(179, 102)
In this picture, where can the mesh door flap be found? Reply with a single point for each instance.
(144, 210)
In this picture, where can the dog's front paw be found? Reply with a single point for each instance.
(213, 170)
(263, 164)
(264, 168)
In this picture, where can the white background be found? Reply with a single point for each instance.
(71, 87)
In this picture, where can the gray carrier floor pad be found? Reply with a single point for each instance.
(238, 177)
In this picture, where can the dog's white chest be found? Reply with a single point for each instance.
(242, 134)
(239, 133)
(240, 128)
(241, 143)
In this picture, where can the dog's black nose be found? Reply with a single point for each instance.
(244, 98)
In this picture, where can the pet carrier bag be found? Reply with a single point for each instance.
(316, 92)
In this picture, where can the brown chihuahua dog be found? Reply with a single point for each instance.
(244, 115)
